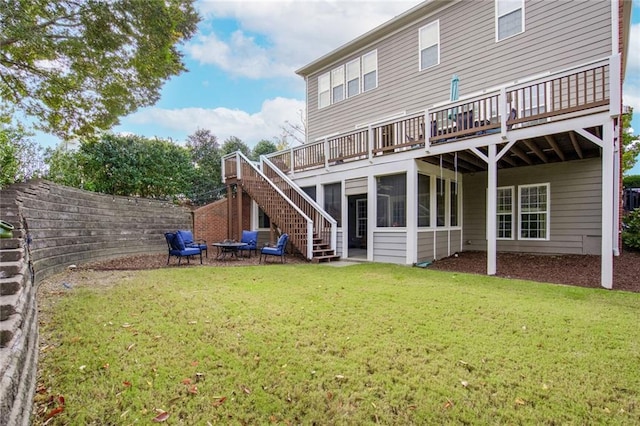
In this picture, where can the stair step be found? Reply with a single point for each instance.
(326, 258)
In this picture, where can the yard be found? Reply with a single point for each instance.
(313, 344)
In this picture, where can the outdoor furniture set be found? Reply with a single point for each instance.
(182, 244)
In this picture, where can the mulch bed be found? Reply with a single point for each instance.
(579, 270)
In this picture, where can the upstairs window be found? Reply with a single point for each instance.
(346, 81)
(509, 18)
(370, 71)
(337, 84)
(324, 93)
(353, 78)
(430, 45)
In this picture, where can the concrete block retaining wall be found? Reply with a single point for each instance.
(56, 226)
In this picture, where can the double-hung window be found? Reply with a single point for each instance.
(353, 78)
(504, 209)
(533, 202)
(337, 84)
(370, 71)
(453, 205)
(430, 45)
(509, 18)
(324, 90)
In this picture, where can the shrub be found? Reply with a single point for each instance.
(631, 230)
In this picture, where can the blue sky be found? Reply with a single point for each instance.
(242, 82)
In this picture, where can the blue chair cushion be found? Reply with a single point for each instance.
(251, 238)
(272, 250)
(178, 242)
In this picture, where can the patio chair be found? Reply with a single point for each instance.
(277, 250)
(176, 247)
(187, 237)
(251, 238)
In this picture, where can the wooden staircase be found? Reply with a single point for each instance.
(322, 252)
(311, 230)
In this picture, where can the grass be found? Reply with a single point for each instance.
(364, 344)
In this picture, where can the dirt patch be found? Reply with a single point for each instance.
(579, 270)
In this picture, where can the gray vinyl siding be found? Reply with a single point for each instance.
(339, 247)
(390, 247)
(425, 246)
(575, 215)
(442, 244)
(355, 186)
(558, 34)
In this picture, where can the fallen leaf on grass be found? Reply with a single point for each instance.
(194, 363)
(126, 325)
(464, 383)
(218, 402)
(130, 347)
(193, 390)
(448, 404)
(193, 322)
(246, 390)
(163, 416)
(186, 381)
(54, 412)
(520, 401)
(126, 384)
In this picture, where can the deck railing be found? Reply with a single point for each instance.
(581, 90)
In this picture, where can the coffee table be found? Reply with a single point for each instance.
(228, 248)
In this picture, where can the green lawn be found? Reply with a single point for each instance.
(364, 344)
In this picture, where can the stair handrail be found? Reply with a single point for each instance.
(240, 156)
(334, 223)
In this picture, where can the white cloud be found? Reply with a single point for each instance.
(223, 122)
(274, 38)
(633, 58)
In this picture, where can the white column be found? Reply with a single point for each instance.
(412, 213)
(371, 213)
(608, 197)
(492, 185)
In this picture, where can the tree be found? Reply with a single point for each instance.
(263, 147)
(76, 66)
(233, 144)
(63, 166)
(295, 131)
(135, 166)
(207, 175)
(21, 158)
(630, 143)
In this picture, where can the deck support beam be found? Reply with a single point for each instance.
(608, 199)
(492, 192)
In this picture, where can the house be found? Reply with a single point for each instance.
(458, 125)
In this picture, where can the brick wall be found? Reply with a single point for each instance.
(56, 226)
(210, 222)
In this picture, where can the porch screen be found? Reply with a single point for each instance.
(391, 200)
(332, 200)
(424, 200)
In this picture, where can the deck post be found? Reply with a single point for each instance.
(370, 141)
(492, 184)
(427, 130)
(608, 199)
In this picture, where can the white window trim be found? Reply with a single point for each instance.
(346, 77)
(420, 47)
(321, 76)
(511, 213)
(547, 212)
(497, 17)
(335, 84)
(362, 73)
